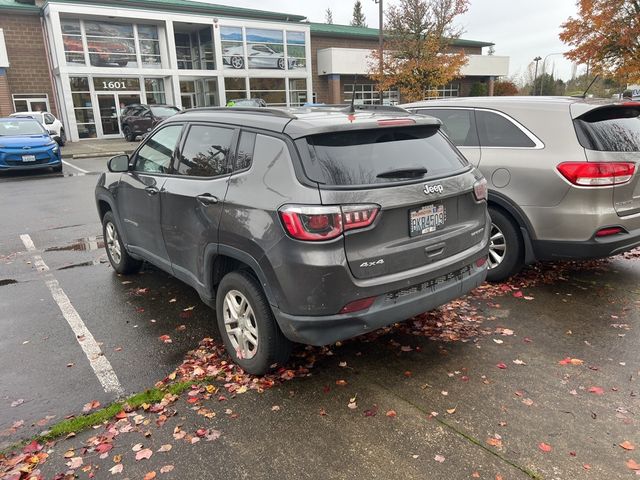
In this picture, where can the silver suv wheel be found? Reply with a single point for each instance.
(240, 324)
(112, 242)
(497, 247)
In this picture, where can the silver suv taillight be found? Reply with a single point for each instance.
(317, 223)
(480, 190)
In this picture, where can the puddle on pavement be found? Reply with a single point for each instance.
(7, 281)
(98, 261)
(81, 245)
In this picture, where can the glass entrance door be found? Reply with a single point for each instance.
(111, 106)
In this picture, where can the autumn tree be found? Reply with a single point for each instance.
(418, 55)
(505, 88)
(606, 35)
(328, 16)
(358, 20)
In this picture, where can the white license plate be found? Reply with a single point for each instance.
(28, 158)
(426, 219)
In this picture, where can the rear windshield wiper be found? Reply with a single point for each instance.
(404, 173)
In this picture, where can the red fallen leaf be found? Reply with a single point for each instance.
(150, 475)
(627, 445)
(342, 383)
(121, 414)
(518, 294)
(165, 338)
(391, 414)
(545, 447)
(596, 390)
(586, 466)
(104, 447)
(201, 432)
(90, 406)
(145, 453)
(407, 374)
(33, 447)
(501, 366)
(371, 412)
(632, 464)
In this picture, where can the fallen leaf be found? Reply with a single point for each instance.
(116, 469)
(519, 362)
(371, 412)
(439, 458)
(571, 361)
(342, 383)
(501, 366)
(75, 462)
(391, 414)
(545, 447)
(165, 448)
(165, 338)
(627, 445)
(596, 390)
(632, 464)
(137, 447)
(146, 454)
(451, 411)
(20, 401)
(494, 442)
(166, 469)
(498, 341)
(90, 406)
(150, 475)
(406, 348)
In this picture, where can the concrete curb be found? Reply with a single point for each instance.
(77, 156)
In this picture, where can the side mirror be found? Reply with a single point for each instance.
(52, 132)
(119, 164)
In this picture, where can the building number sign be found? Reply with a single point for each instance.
(114, 85)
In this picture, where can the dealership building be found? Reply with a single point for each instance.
(84, 61)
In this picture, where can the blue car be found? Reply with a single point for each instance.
(26, 145)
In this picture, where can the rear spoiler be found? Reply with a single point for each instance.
(596, 112)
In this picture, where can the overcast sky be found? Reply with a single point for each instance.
(521, 29)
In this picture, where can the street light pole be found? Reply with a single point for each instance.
(535, 76)
(544, 63)
(381, 45)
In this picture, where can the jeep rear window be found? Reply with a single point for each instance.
(359, 157)
(614, 129)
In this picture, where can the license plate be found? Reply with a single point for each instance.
(426, 219)
(28, 158)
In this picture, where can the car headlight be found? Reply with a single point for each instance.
(55, 148)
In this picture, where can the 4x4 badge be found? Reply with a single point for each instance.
(431, 189)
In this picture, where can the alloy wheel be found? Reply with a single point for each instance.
(113, 243)
(497, 247)
(240, 324)
(237, 62)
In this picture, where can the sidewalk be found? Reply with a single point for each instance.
(97, 148)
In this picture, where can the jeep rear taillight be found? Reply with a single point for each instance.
(318, 223)
(597, 174)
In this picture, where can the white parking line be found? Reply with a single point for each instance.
(73, 166)
(99, 363)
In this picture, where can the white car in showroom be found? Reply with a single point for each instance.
(259, 56)
(51, 123)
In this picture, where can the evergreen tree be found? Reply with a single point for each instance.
(359, 20)
(328, 16)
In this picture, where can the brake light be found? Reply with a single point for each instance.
(607, 232)
(317, 223)
(396, 122)
(481, 190)
(358, 305)
(597, 174)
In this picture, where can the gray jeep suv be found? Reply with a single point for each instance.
(308, 225)
(561, 170)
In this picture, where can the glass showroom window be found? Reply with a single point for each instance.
(297, 92)
(232, 47)
(199, 93)
(236, 88)
(83, 107)
(194, 47)
(72, 40)
(451, 90)
(154, 88)
(265, 49)
(271, 90)
(369, 95)
(296, 50)
(149, 46)
(111, 44)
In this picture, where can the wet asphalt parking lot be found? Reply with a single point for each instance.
(537, 378)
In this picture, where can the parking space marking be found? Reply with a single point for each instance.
(73, 166)
(99, 363)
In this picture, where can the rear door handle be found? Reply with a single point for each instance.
(152, 190)
(207, 199)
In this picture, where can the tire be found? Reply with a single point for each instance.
(272, 346)
(126, 264)
(281, 63)
(62, 139)
(237, 62)
(129, 136)
(506, 250)
(57, 169)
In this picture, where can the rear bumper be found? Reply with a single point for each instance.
(594, 248)
(387, 309)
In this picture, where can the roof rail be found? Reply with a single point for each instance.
(379, 108)
(276, 112)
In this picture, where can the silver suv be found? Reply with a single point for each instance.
(561, 171)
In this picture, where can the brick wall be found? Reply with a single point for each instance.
(321, 82)
(5, 97)
(28, 72)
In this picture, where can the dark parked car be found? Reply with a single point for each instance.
(246, 102)
(140, 119)
(309, 225)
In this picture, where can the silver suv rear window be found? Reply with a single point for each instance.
(364, 157)
(613, 129)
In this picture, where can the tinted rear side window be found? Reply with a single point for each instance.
(615, 129)
(458, 124)
(497, 131)
(205, 152)
(367, 157)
